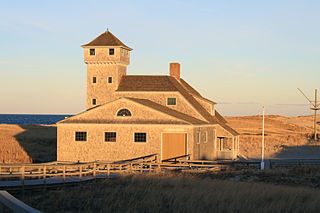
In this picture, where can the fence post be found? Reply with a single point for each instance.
(80, 169)
(94, 170)
(108, 169)
(64, 173)
(44, 174)
(22, 174)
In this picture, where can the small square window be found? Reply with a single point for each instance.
(92, 51)
(111, 51)
(140, 137)
(81, 136)
(171, 101)
(94, 80)
(94, 101)
(109, 80)
(110, 136)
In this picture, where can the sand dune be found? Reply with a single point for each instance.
(282, 135)
(27, 143)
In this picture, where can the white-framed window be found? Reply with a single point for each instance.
(140, 137)
(94, 101)
(92, 52)
(171, 101)
(198, 137)
(80, 136)
(110, 137)
(109, 80)
(205, 137)
(94, 79)
(111, 51)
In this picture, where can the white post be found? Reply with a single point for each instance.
(262, 141)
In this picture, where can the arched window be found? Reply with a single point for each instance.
(124, 113)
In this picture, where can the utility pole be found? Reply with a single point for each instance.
(262, 141)
(315, 107)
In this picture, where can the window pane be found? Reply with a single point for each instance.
(124, 113)
(111, 51)
(110, 137)
(171, 101)
(140, 137)
(92, 51)
(109, 80)
(94, 101)
(94, 80)
(81, 136)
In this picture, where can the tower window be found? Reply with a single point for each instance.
(94, 80)
(140, 137)
(81, 136)
(110, 136)
(111, 51)
(124, 113)
(109, 80)
(171, 101)
(94, 101)
(92, 51)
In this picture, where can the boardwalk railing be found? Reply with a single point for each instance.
(288, 163)
(7, 201)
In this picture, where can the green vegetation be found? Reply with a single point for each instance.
(174, 193)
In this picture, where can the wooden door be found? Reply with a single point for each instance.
(173, 145)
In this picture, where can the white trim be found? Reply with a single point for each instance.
(206, 137)
(198, 137)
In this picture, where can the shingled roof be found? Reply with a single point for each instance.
(146, 83)
(106, 39)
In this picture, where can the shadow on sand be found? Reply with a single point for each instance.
(39, 141)
(311, 151)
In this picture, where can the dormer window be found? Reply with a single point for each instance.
(111, 51)
(124, 113)
(171, 101)
(92, 52)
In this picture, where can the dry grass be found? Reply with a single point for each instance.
(174, 194)
(27, 143)
(280, 132)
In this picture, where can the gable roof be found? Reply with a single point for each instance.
(146, 83)
(106, 39)
(185, 119)
(168, 111)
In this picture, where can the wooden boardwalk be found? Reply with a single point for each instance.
(15, 175)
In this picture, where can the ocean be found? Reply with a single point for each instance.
(30, 118)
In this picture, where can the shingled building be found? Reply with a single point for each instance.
(130, 116)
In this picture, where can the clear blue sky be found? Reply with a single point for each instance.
(241, 54)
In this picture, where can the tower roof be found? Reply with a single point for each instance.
(106, 39)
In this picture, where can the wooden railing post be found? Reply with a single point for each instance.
(44, 174)
(80, 169)
(108, 169)
(22, 174)
(64, 173)
(94, 170)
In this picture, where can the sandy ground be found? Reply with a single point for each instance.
(285, 137)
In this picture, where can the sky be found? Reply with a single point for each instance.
(241, 54)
